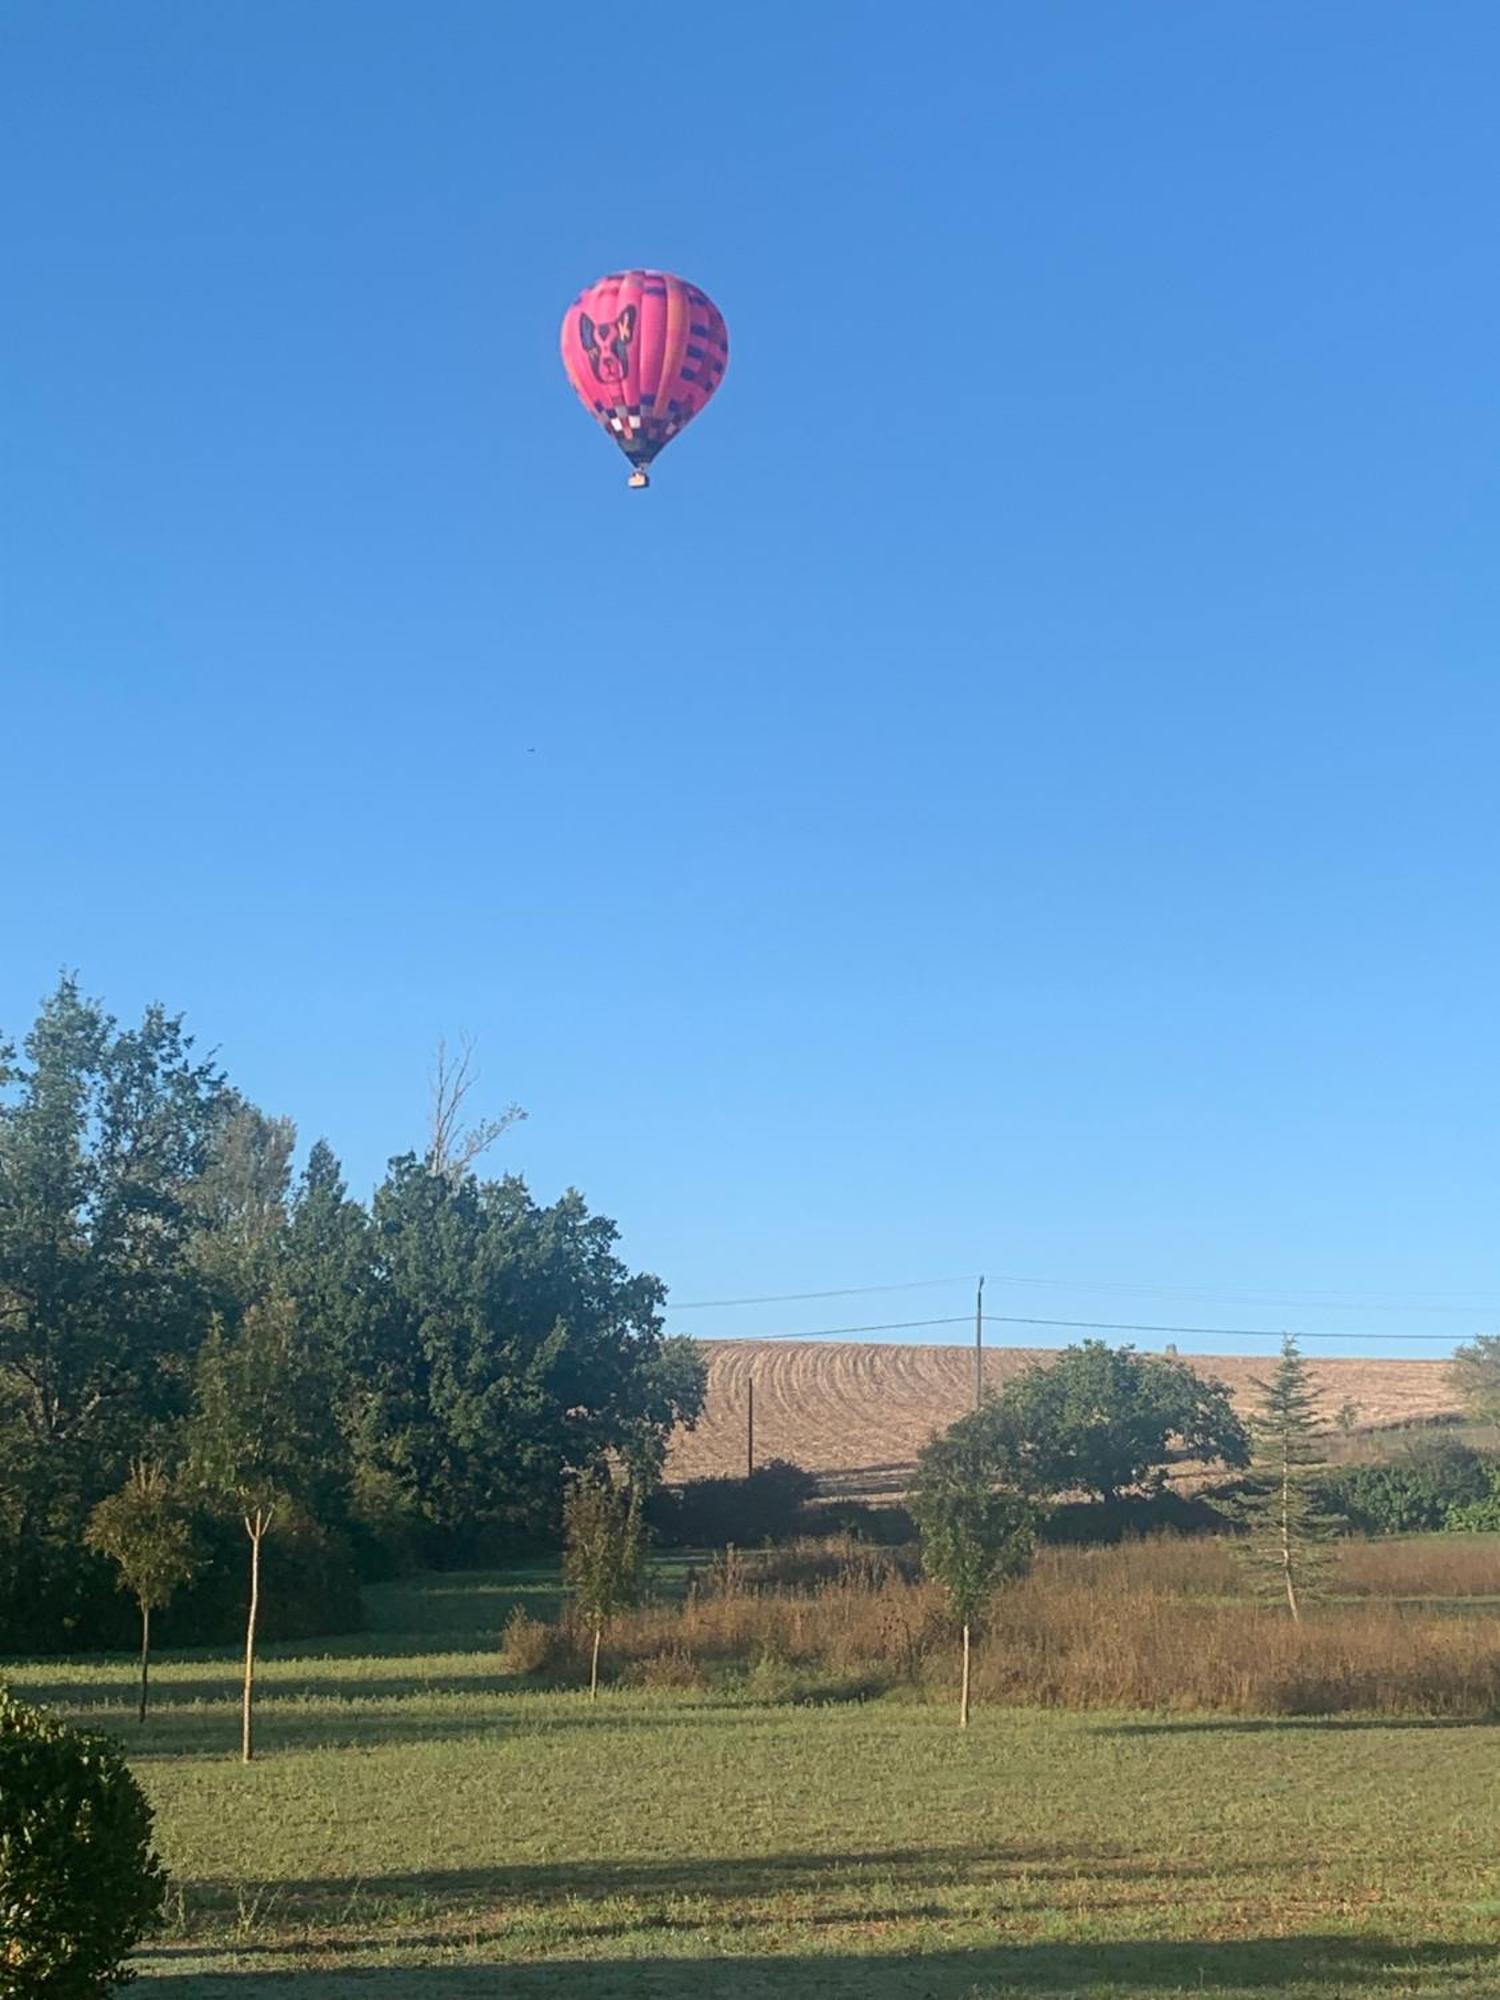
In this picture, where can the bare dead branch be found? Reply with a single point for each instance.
(453, 1146)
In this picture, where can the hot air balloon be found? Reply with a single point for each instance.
(645, 351)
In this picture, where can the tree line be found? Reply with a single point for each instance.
(205, 1354)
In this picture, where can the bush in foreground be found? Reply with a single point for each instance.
(79, 1882)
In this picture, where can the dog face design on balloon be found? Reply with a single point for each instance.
(606, 342)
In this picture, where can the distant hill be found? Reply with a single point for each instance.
(857, 1412)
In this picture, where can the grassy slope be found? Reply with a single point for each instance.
(416, 1822)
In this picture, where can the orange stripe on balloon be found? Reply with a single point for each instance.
(679, 323)
(653, 323)
(629, 390)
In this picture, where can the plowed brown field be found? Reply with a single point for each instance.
(857, 1412)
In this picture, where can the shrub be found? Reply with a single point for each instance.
(672, 1668)
(767, 1506)
(56, 1598)
(527, 1645)
(772, 1679)
(884, 1523)
(79, 1883)
(1412, 1493)
(1099, 1523)
(1481, 1516)
(810, 1563)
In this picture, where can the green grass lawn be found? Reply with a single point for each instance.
(419, 1825)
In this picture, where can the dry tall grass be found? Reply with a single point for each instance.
(1162, 1624)
(1126, 1643)
(1436, 1567)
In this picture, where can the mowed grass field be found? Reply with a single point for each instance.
(856, 1413)
(419, 1824)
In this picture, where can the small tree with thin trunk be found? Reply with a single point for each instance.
(604, 1551)
(146, 1534)
(1286, 1547)
(260, 1436)
(1475, 1374)
(976, 1530)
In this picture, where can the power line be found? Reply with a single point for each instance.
(1392, 1302)
(1213, 1332)
(1075, 1325)
(831, 1332)
(844, 1292)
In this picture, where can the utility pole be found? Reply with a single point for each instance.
(979, 1345)
(750, 1427)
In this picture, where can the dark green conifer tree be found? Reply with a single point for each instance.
(1287, 1544)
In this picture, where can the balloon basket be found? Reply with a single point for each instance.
(639, 477)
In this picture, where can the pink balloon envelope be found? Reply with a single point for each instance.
(645, 351)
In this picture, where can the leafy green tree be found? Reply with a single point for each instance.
(240, 1204)
(507, 1348)
(1475, 1375)
(328, 1270)
(107, 1134)
(604, 1551)
(976, 1529)
(1289, 1527)
(146, 1534)
(80, 1884)
(263, 1442)
(1106, 1421)
(666, 1389)
(327, 1257)
(104, 1133)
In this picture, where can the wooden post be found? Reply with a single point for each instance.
(750, 1427)
(979, 1345)
(963, 1699)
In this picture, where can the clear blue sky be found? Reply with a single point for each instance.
(1021, 792)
